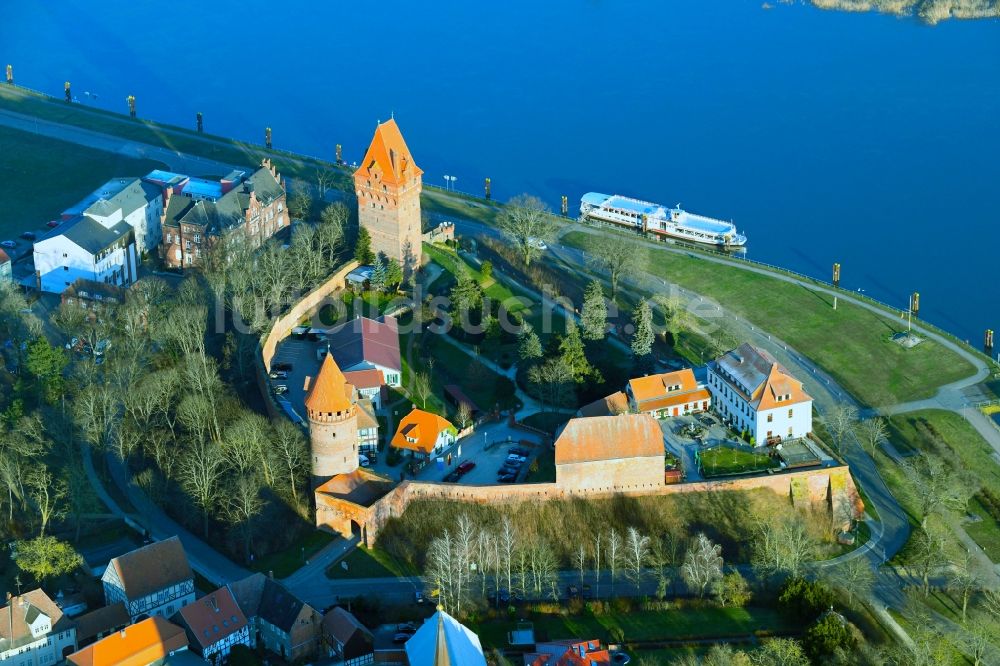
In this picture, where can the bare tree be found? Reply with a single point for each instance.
(553, 380)
(463, 415)
(47, 494)
(242, 504)
(978, 641)
(964, 580)
(324, 179)
(936, 487)
(619, 257)
(290, 445)
(781, 547)
(332, 229)
(872, 431)
(201, 470)
(299, 203)
(637, 555)
(422, 387)
(840, 422)
(596, 552)
(580, 559)
(702, 568)
(928, 555)
(616, 546)
(508, 546)
(527, 223)
(856, 577)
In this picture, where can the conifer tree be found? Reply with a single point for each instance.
(529, 347)
(363, 248)
(378, 279)
(642, 338)
(594, 318)
(572, 352)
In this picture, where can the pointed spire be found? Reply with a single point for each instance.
(441, 657)
(330, 392)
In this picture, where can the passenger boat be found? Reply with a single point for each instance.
(674, 223)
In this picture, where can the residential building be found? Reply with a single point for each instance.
(424, 434)
(152, 580)
(609, 405)
(368, 344)
(367, 428)
(6, 267)
(279, 621)
(752, 391)
(442, 639)
(97, 299)
(85, 248)
(388, 185)
(34, 632)
(332, 411)
(131, 200)
(568, 653)
(610, 453)
(348, 642)
(149, 642)
(369, 385)
(668, 394)
(104, 621)
(214, 624)
(199, 213)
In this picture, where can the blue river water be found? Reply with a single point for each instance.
(826, 136)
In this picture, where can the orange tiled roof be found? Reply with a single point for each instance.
(330, 393)
(778, 384)
(137, 645)
(421, 426)
(609, 405)
(655, 386)
(389, 156)
(609, 438)
(213, 618)
(3, 257)
(675, 399)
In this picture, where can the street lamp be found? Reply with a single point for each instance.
(449, 182)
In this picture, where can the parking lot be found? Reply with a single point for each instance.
(301, 355)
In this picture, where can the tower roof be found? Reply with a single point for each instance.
(330, 392)
(389, 155)
(444, 641)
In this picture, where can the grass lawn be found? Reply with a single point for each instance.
(851, 343)
(723, 460)
(547, 421)
(546, 471)
(665, 625)
(156, 134)
(286, 562)
(31, 165)
(365, 563)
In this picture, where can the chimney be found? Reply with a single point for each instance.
(122, 633)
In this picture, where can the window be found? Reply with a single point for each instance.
(770, 417)
(789, 413)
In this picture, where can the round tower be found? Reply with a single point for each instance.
(332, 410)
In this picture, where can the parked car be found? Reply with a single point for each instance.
(519, 451)
(507, 478)
(400, 637)
(465, 467)
(516, 458)
(53, 224)
(453, 476)
(620, 658)
(29, 235)
(8, 244)
(418, 596)
(363, 460)
(406, 628)
(280, 389)
(278, 374)
(572, 592)
(513, 464)
(537, 243)
(287, 367)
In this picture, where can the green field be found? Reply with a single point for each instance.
(723, 460)
(41, 177)
(851, 343)
(365, 563)
(287, 561)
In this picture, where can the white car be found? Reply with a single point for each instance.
(10, 245)
(363, 460)
(516, 458)
(537, 243)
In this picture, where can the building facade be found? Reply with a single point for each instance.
(131, 200)
(239, 209)
(6, 268)
(332, 413)
(214, 625)
(279, 621)
(611, 453)
(668, 394)
(81, 248)
(152, 580)
(348, 642)
(34, 632)
(388, 185)
(424, 434)
(752, 391)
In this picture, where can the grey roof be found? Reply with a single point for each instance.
(362, 340)
(125, 194)
(230, 210)
(89, 234)
(747, 365)
(260, 596)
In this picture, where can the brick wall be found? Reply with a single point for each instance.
(817, 488)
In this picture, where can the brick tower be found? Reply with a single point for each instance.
(332, 409)
(388, 187)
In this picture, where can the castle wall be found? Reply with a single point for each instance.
(629, 474)
(816, 488)
(334, 448)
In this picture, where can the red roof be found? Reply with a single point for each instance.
(213, 617)
(364, 379)
(4, 258)
(389, 156)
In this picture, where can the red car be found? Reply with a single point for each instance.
(465, 467)
(52, 225)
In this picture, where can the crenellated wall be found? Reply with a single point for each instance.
(830, 488)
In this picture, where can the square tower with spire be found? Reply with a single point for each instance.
(388, 185)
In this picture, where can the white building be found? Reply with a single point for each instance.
(131, 200)
(153, 580)
(366, 344)
(34, 632)
(83, 248)
(757, 395)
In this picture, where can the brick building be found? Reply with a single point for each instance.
(610, 453)
(388, 185)
(198, 213)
